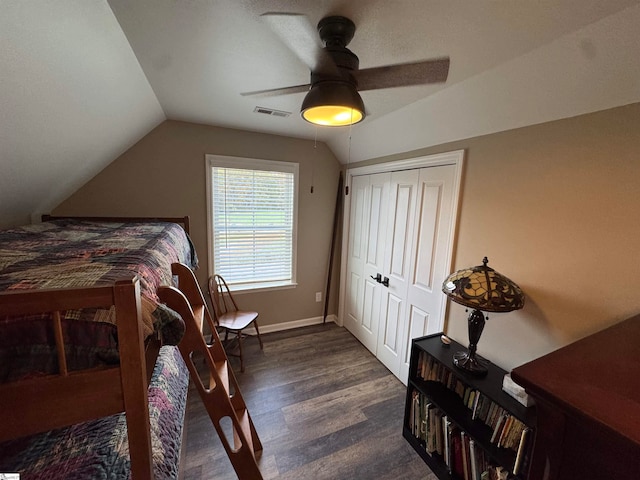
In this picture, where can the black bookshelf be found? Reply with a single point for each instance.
(450, 403)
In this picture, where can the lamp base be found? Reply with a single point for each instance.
(469, 363)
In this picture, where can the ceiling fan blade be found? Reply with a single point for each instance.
(272, 92)
(404, 74)
(301, 37)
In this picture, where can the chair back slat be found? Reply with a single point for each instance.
(228, 317)
(221, 299)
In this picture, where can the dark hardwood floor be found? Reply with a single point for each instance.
(323, 406)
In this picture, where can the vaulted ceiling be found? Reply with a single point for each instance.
(82, 80)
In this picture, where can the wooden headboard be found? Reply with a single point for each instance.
(184, 221)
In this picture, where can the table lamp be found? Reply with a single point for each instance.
(482, 289)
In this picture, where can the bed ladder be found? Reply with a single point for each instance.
(221, 397)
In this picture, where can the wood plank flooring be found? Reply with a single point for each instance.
(323, 406)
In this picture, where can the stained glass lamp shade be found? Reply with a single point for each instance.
(482, 289)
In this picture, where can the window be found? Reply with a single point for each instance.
(252, 221)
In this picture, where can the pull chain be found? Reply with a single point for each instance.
(226, 225)
(346, 187)
(313, 159)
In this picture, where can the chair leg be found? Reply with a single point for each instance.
(255, 324)
(240, 348)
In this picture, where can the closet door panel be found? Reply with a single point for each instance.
(354, 305)
(418, 321)
(400, 224)
(430, 202)
(370, 207)
(356, 253)
(430, 250)
(389, 344)
(400, 221)
(375, 245)
(370, 297)
(377, 203)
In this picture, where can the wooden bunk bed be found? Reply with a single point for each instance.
(45, 400)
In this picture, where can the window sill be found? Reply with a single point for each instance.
(249, 288)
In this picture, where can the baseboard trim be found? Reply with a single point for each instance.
(278, 327)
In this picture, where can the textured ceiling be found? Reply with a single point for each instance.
(82, 80)
(199, 56)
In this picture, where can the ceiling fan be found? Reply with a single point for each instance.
(336, 79)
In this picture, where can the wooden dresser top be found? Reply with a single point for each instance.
(596, 378)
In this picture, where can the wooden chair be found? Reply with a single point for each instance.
(228, 316)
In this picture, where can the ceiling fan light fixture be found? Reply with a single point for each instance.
(333, 103)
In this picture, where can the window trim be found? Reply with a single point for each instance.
(226, 161)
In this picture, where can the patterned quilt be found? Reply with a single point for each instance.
(71, 253)
(99, 449)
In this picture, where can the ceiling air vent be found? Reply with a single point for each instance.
(271, 111)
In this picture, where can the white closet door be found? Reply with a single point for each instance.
(397, 267)
(366, 256)
(401, 225)
(430, 251)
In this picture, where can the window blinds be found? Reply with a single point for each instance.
(253, 225)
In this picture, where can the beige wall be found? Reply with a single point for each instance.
(164, 175)
(556, 208)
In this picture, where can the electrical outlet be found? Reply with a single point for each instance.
(318, 296)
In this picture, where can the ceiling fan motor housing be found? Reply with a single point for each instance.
(336, 31)
(347, 63)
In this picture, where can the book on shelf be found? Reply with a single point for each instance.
(504, 430)
(465, 455)
(412, 412)
(419, 415)
(497, 429)
(473, 461)
(430, 439)
(465, 397)
(513, 439)
(486, 408)
(439, 434)
(458, 387)
(458, 463)
(423, 408)
(521, 451)
(492, 415)
(478, 405)
(448, 428)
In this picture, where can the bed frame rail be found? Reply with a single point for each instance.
(184, 221)
(41, 404)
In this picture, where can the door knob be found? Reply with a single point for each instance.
(385, 282)
(377, 278)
